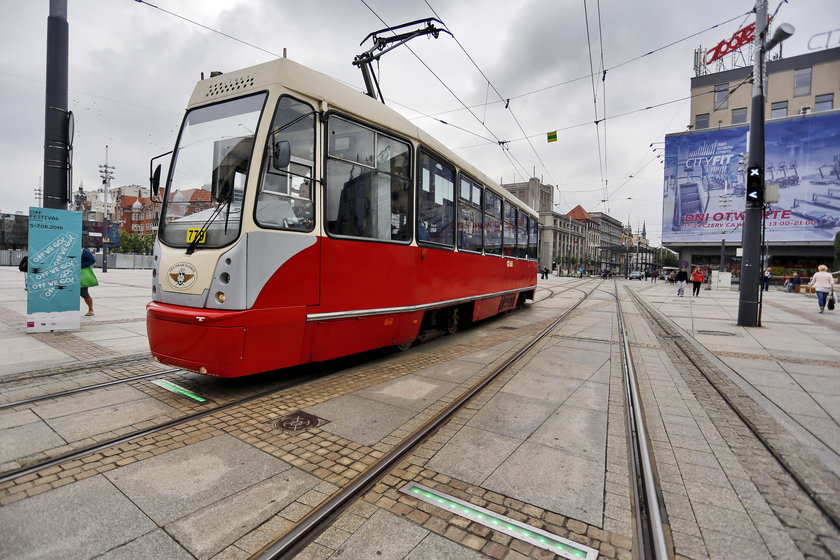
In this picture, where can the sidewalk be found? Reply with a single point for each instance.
(117, 329)
(790, 365)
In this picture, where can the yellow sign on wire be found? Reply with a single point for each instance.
(552, 136)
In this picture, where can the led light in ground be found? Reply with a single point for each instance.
(169, 386)
(537, 537)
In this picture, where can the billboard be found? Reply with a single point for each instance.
(704, 194)
(52, 280)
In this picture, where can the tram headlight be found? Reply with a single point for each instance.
(220, 297)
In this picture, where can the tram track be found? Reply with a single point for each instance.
(321, 517)
(651, 526)
(217, 394)
(789, 462)
(68, 392)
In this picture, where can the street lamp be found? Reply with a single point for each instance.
(106, 173)
(748, 301)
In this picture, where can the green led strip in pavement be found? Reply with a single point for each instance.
(169, 386)
(537, 537)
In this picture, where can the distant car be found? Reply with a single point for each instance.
(636, 275)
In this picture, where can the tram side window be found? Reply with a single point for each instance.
(533, 227)
(368, 183)
(492, 223)
(509, 229)
(470, 222)
(521, 234)
(435, 202)
(285, 197)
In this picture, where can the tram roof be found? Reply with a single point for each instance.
(333, 95)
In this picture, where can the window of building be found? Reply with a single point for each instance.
(802, 82)
(778, 109)
(824, 102)
(435, 201)
(368, 183)
(721, 96)
(701, 121)
(739, 115)
(470, 216)
(492, 223)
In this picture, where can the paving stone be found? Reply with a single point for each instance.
(154, 545)
(80, 520)
(374, 539)
(170, 486)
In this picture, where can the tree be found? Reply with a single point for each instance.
(135, 243)
(836, 251)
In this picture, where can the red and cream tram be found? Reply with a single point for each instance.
(303, 220)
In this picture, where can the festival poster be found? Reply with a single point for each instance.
(704, 194)
(55, 251)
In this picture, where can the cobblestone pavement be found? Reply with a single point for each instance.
(536, 446)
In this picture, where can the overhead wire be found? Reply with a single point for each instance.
(594, 97)
(501, 97)
(604, 105)
(501, 143)
(579, 78)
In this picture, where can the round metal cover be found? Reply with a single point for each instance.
(297, 422)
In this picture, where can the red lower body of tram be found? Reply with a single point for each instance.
(340, 297)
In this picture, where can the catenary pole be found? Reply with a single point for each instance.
(749, 305)
(56, 116)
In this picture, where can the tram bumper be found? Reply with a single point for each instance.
(224, 343)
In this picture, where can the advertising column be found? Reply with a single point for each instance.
(55, 249)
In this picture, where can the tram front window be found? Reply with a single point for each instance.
(210, 165)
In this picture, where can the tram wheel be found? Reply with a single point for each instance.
(403, 346)
(453, 320)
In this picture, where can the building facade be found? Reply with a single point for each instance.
(798, 85)
(704, 189)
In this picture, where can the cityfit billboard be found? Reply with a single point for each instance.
(704, 193)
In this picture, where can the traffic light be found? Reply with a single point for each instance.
(755, 185)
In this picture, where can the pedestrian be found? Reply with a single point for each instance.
(580, 272)
(697, 279)
(23, 266)
(823, 284)
(681, 277)
(87, 279)
(767, 277)
(795, 282)
(655, 275)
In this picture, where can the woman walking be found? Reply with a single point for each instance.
(88, 280)
(697, 279)
(823, 284)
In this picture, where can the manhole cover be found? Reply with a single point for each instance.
(298, 421)
(716, 333)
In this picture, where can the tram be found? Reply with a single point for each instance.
(303, 221)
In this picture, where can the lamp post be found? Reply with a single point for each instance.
(748, 301)
(107, 173)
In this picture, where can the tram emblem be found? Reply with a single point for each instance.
(182, 276)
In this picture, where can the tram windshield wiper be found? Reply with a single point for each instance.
(202, 231)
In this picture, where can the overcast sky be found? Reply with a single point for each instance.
(133, 67)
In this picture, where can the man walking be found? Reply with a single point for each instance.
(681, 279)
